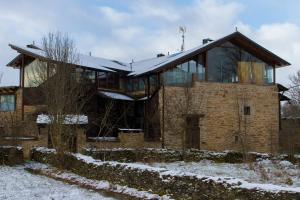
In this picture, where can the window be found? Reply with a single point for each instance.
(230, 64)
(268, 74)
(236, 139)
(246, 110)
(35, 73)
(182, 75)
(7, 103)
(222, 64)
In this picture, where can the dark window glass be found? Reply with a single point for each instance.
(102, 77)
(246, 110)
(222, 65)
(7, 103)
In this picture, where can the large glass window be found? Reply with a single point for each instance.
(7, 103)
(185, 73)
(230, 64)
(222, 65)
(35, 73)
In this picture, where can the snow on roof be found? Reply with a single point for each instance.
(115, 95)
(84, 60)
(69, 119)
(136, 68)
(144, 66)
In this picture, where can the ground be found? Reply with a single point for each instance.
(16, 183)
(276, 172)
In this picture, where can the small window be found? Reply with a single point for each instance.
(246, 110)
(236, 139)
(7, 103)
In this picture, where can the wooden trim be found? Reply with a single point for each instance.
(206, 65)
(274, 75)
(22, 88)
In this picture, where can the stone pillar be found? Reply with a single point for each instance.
(81, 140)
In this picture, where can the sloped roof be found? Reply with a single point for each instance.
(116, 95)
(84, 60)
(154, 64)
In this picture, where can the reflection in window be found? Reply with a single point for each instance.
(90, 75)
(222, 65)
(135, 84)
(268, 74)
(184, 74)
(231, 64)
(7, 103)
(35, 73)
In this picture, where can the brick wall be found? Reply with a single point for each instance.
(221, 110)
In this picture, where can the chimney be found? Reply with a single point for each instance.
(33, 46)
(160, 55)
(206, 40)
(90, 53)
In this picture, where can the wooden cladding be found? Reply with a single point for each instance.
(251, 72)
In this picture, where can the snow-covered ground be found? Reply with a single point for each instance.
(274, 172)
(17, 183)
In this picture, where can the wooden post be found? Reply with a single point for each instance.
(206, 66)
(22, 87)
(163, 114)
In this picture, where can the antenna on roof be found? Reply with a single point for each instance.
(236, 29)
(131, 64)
(90, 53)
(33, 42)
(182, 30)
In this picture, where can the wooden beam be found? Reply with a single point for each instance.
(22, 88)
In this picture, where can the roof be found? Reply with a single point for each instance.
(116, 95)
(281, 88)
(155, 64)
(68, 119)
(84, 60)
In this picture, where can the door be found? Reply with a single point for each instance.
(192, 132)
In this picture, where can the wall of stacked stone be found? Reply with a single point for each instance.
(11, 155)
(159, 180)
(125, 140)
(27, 143)
(164, 155)
(217, 104)
(289, 136)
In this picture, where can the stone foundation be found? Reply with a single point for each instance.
(11, 155)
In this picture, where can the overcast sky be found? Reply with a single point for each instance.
(129, 29)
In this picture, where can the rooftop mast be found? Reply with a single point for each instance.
(182, 30)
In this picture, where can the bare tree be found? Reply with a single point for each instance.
(243, 121)
(65, 92)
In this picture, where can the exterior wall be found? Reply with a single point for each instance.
(12, 123)
(220, 107)
(13, 117)
(289, 136)
(27, 144)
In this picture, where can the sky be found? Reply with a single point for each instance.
(137, 29)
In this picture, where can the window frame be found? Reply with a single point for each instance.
(15, 102)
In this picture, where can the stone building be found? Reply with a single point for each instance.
(221, 95)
